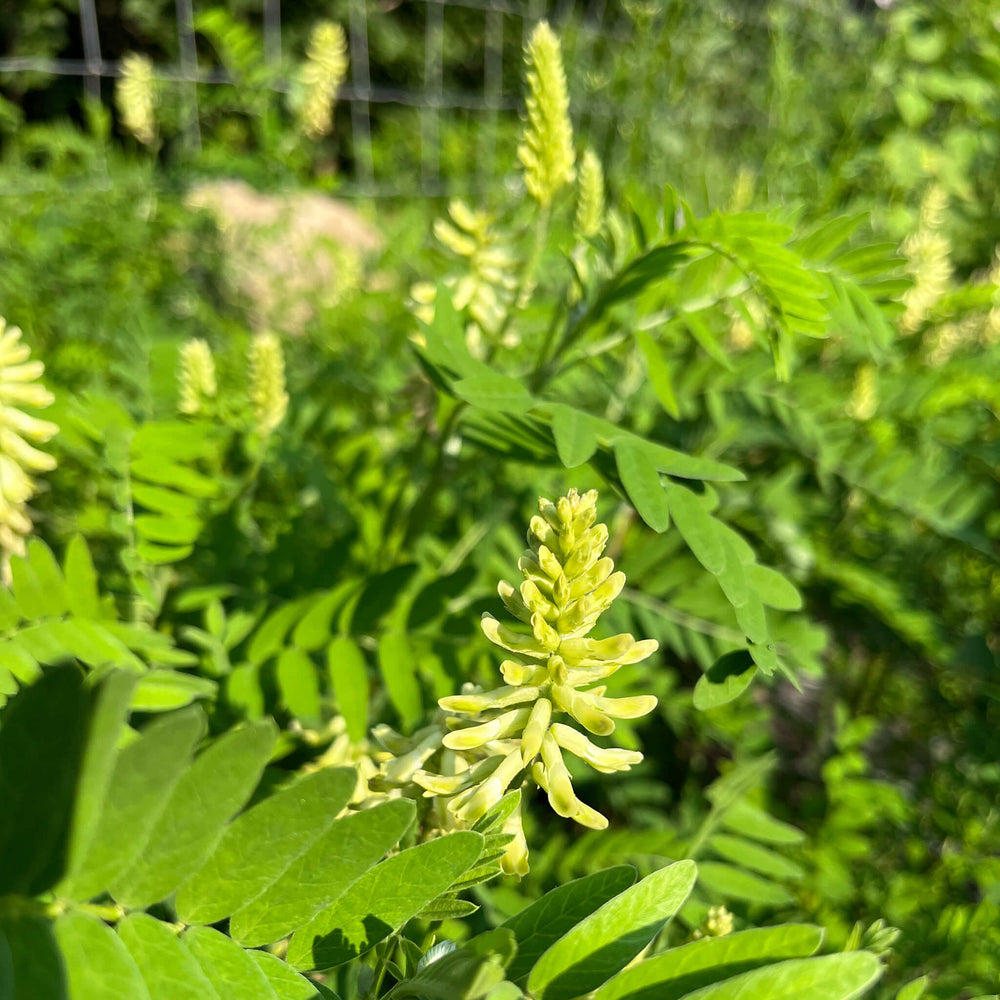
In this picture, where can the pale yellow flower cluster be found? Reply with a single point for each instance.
(135, 95)
(864, 396)
(718, 923)
(555, 674)
(19, 386)
(267, 381)
(546, 150)
(590, 199)
(196, 376)
(321, 78)
(928, 254)
(487, 286)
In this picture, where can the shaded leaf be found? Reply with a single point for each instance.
(207, 795)
(382, 900)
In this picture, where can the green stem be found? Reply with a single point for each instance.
(422, 506)
(528, 274)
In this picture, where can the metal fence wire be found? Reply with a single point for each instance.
(602, 31)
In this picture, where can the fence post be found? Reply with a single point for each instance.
(91, 49)
(364, 163)
(189, 72)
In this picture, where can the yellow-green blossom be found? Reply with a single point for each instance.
(590, 200)
(267, 381)
(196, 376)
(321, 77)
(554, 674)
(135, 96)
(864, 396)
(717, 923)
(19, 386)
(486, 288)
(546, 150)
(928, 254)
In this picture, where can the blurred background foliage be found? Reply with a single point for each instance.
(862, 139)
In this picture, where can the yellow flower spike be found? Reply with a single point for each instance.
(321, 77)
(135, 95)
(590, 203)
(195, 376)
(18, 457)
(546, 150)
(267, 381)
(549, 679)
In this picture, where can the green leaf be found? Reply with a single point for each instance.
(31, 598)
(168, 530)
(724, 681)
(448, 908)
(753, 856)
(215, 786)
(110, 710)
(161, 690)
(575, 435)
(659, 373)
(829, 977)
(35, 965)
(735, 883)
(268, 639)
(495, 392)
(382, 900)
(399, 671)
(260, 845)
(49, 576)
(230, 969)
(674, 463)
(773, 589)
(633, 279)
(543, 922)
(602, 944)
(170, 971)
(326, 869)
(349, 677)
(470, 972)
(698, 529)
(675, 973)
(156, 469)
(314, 629)
(914, 990)
(164, 501)
(750, 821)
(97, 962)
(42, 746)
(286, 983)
(142, 782)
(298, 682)
(642, 484)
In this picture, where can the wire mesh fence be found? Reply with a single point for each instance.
(427, 107)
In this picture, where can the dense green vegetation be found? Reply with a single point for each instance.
(729, 305)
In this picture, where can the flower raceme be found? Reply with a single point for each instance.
(546, 150)
(19, 386)
(553, 674)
